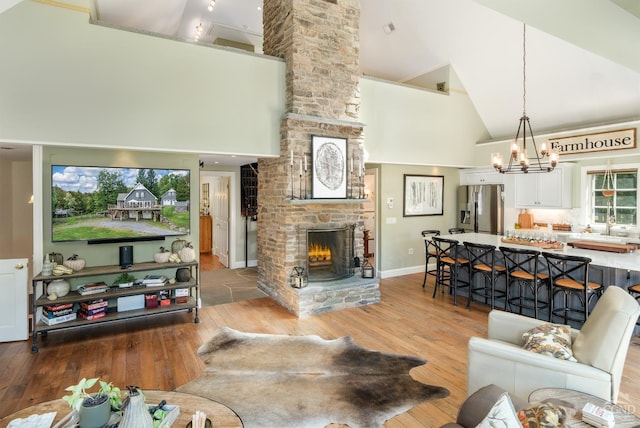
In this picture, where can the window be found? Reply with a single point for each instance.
(624, 201)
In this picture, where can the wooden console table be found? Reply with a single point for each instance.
(220, 415)
(574, 401)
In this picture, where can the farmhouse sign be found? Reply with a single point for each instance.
(598, 142)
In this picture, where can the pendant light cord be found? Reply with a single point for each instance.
(524, 69)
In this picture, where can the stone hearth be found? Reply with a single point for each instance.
(319, 40)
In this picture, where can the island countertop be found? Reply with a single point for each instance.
(628, 261)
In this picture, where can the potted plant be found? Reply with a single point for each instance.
(94, 408)
(124, 280)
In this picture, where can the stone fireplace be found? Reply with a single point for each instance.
(319, 40)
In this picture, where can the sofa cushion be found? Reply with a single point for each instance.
(553, 340)
(501, 414)
(542, 415)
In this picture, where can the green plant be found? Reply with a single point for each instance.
(124, 278)
(80, 395)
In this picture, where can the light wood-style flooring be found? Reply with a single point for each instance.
(160, 352)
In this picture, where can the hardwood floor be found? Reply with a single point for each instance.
(160, 352)
(210, 262)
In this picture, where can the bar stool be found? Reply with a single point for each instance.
(431, 252)
(634, 290)
(449, 264)
(569, 277)
(523, 271)
(482, 261)
(455, 230)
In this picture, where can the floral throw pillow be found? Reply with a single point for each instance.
(542, 415)
(553, 340)
(501, 415)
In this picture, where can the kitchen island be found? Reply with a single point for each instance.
(606, 268)
(604, 259)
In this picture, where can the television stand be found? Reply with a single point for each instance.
(190, 302)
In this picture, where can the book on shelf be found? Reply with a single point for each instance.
(94, 311)
(93, 288)
(58, 307)
(56, 314)
(58, 320)
(154, 280)
(94, 304)
(93, 316)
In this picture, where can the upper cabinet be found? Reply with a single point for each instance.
(475, 176)
(545, 189)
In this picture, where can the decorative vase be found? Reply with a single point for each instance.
(136, 414)
(95, 416)
(183, 275)
(47, 266)
(56, 258)
(60, 287)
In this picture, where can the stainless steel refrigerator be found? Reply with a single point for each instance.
(481, 208)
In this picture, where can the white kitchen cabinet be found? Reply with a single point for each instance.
(546, 189)
(475, 176)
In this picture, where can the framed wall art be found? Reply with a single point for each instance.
(423, 195)
(329, 167)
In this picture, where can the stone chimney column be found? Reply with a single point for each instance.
(319, 41)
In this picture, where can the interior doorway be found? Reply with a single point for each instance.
(219, 206)
(370, 223)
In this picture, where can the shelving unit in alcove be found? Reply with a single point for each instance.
(96, 272)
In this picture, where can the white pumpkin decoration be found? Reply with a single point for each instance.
(187, 254)
(162, 256)
(75, 263)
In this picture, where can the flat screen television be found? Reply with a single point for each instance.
(108, 204)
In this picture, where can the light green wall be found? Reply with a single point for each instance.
(393, 256)
(415, 126)
(107, 254)
(66, 81)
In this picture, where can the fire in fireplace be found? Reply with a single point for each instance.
(329, 253)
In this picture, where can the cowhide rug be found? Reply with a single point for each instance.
(306, 381)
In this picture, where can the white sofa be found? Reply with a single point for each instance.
(600, 348)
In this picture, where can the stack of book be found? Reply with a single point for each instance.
(56, 314)
(154, 280)
(94, 309)
(598, 416)
(93, 288)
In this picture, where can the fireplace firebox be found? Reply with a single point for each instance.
(330, 254)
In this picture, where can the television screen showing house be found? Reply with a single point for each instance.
(111, 204)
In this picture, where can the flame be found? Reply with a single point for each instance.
(319, 252)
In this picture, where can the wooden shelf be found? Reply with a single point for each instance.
(113, 293)
(119, 316)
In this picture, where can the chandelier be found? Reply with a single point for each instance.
(520, 161)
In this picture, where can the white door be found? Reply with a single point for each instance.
(14, 323)
(221, 220)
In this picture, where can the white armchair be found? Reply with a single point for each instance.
(600, 348)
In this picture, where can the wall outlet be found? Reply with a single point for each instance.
(391, 220)
(410, 251)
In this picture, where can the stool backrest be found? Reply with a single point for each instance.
(455, 230)
(561, 266)
(428, 235)
(446, 247)
(520, 259)
(480, 254)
